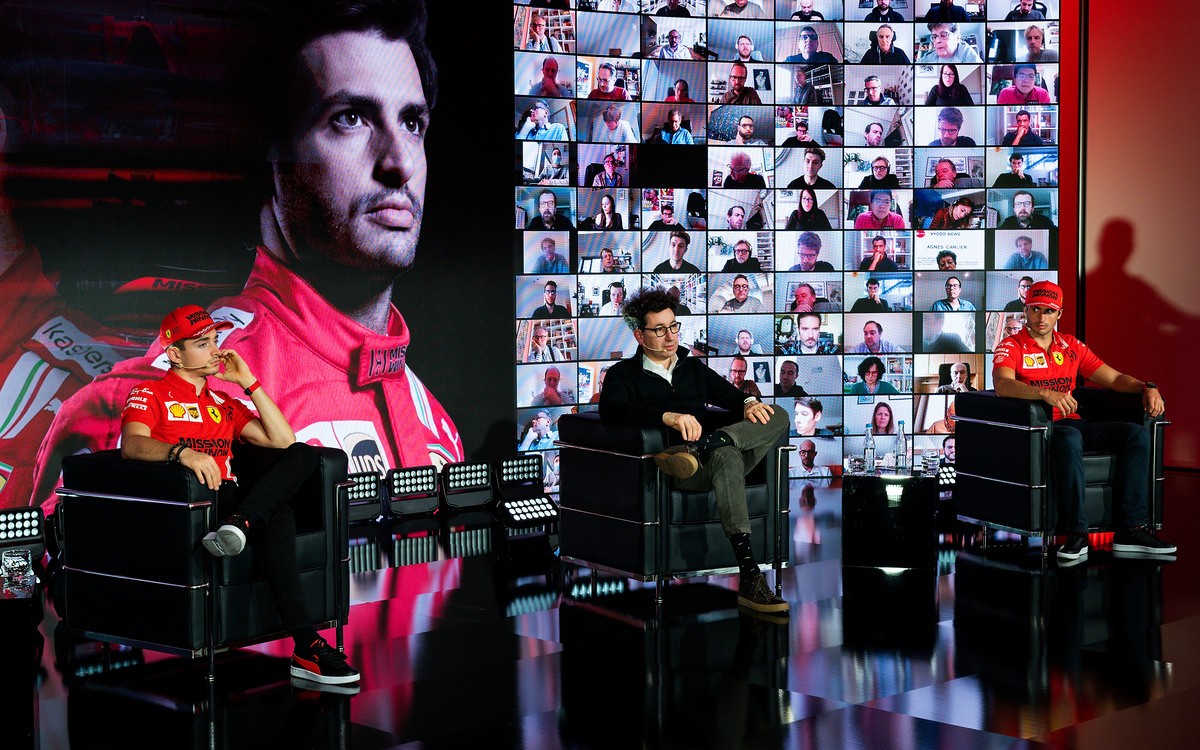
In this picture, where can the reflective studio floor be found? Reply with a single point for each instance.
(467, 642)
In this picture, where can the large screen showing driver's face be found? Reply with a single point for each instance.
(848, 198)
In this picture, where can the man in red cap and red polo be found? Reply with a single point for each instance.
(1040, 364)
(178, 419)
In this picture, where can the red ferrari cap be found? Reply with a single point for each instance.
(1046, 294)
(188, 322)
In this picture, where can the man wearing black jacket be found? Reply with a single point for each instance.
(661, 385)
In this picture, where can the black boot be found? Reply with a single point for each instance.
(753, 591)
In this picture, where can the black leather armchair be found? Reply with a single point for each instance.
(135, 572)
(612, 498)
(1004, 465)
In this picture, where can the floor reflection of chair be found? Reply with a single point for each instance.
(1018, 624)
(694, 669)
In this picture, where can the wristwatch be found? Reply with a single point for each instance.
(1148, 385)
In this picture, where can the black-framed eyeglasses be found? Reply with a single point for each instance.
(661, 331)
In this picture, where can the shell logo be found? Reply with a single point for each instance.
(1029, 361)
(177, 411)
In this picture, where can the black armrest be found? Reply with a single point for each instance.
(107, 473)
(1103, 405)
(589, 430)
(988, 407)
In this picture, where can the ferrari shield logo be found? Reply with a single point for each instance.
(1058, 358)
(215, 414)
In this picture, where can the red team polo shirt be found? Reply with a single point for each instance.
(207, 422)
(1056, 370)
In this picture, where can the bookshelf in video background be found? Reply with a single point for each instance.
(633, 159)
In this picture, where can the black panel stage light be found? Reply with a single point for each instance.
(23, 528)
(467, 485)
(412, 491)
(365, 501)
(523, 502)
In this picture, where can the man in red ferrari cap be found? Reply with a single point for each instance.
(1041, 364)
(178, 419)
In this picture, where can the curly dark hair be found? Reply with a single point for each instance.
(643, 302)
(866, 365)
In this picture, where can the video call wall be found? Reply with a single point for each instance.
(849, 199)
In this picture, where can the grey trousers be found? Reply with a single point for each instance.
(724, 471)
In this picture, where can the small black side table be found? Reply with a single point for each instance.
(889, 552)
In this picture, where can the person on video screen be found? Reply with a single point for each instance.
(879, 215)
(959, 379)
(540, 349)
(955, 216)
(1042, 364)
(746, 345)
(873, 135)
(743, 9)
(1015, 177)
(539, 40)
(737, 92)
(551, 393)
(809, 339)
(873, 88)
(548, 216)
(555, 171)
(871, 381)
(613, 128)
(316, 315)
(550, 309)
(536, 125)
(806, 12)
(540, 435)
(549, 260)
(803, 92)
(616, 299)
(814, 159)
(735, 217)
(881, 175)
(879, 260)
(801, 138)
(789, 371)
(947, 260)
(1018, 304)
(674, 8)
(872, 303)
(737, 371)
(885, 52)
(741, 300)
(1025, 12)
(743, 260)
(745, 133)
(674, 132)
(1023, 215)
(1026, 258)
(807, 415)
(948, 46)
(745, 50)
(945, 10)
(673, 50)
(606, 88)
(949, 124)
(803, 299)
(661, 384)
(550, 86)
(808, 459)
(810, 50)
(808, 248)
(680, 93)
(949, 91)
(1035, 44)
(666, 219)
(1024, 88)
(873, 341)
(677, 245)
(808, 216)
(883, 11)
(608, 177)
(1023, 134)
(740, 175)
(607, 217)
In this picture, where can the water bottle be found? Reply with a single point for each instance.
(902, 450)
(869, 451)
